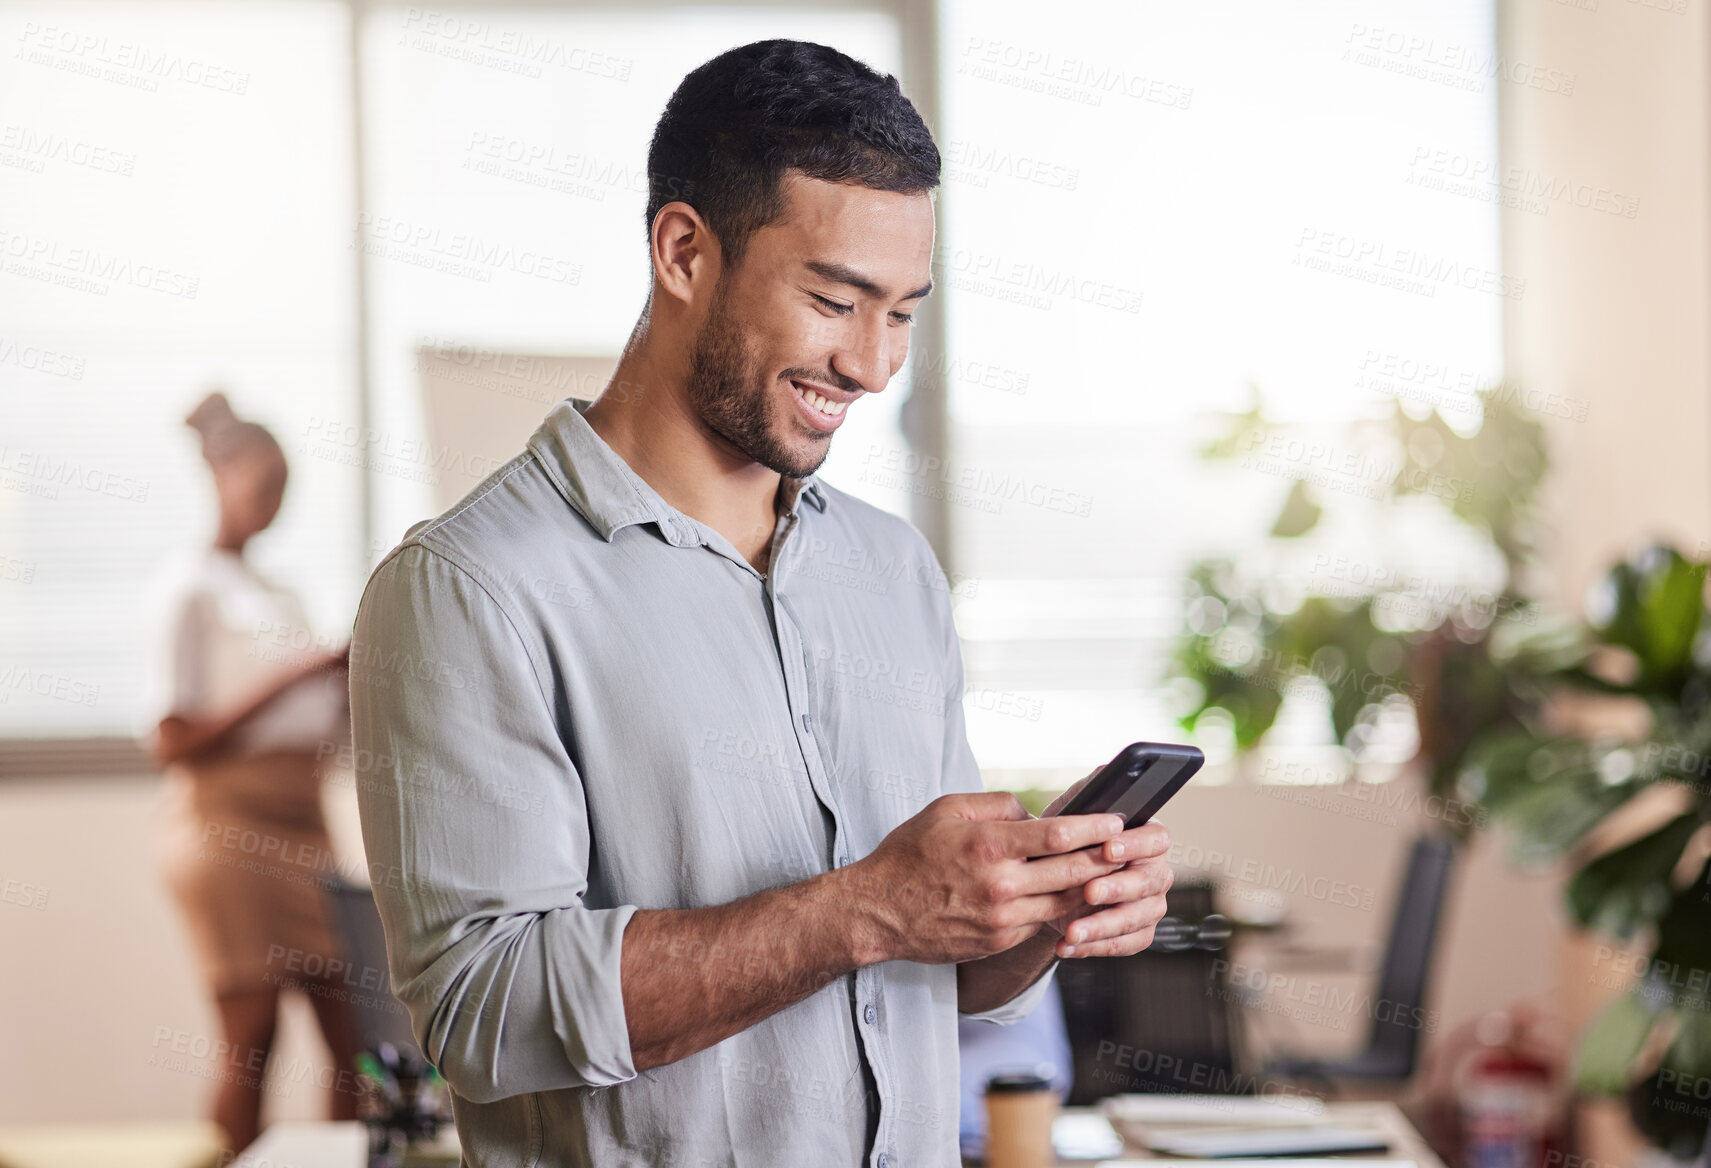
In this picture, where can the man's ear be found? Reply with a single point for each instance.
(686, 255)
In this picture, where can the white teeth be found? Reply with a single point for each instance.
(825, 407)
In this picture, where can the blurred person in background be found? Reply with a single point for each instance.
(245, 708)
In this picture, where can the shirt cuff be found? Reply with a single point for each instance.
(1020, 1006)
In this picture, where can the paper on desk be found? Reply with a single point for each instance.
(1218, 1109)
(1246, 1142)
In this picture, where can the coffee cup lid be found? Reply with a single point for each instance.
(1017, 1081)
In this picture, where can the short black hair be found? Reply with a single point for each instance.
(738, 122)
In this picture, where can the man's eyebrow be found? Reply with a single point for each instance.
(844, 274)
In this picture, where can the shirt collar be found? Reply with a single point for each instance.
(605, 491)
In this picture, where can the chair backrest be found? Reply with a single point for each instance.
(1399, 999)
(379, 1017)
(1158, 1021)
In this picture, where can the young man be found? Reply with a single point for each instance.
(683, 855)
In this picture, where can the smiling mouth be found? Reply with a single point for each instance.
(817, 402)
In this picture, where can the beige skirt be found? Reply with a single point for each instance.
(247, 856)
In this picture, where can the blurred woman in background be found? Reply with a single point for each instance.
(246, 710)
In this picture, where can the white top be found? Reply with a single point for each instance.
(223, 634)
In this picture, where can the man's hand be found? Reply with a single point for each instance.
(957, 882)
(1119, 911)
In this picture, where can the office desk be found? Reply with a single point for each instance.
(333, 1145)
(303, 1144)
(191, 1143)
(344, 1145)
(1406, 1144)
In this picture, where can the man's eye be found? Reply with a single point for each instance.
(903, 317)
(833, 304)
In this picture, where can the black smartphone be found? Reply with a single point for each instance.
(1136, 783)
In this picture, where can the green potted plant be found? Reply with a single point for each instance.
(1485, 673)
(1646, 643)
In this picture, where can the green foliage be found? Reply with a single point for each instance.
(1479, 679)
(1611, 1044)
(1646, 642)
(1245, 655)
(1489, 479)
(1628, 887)
(1300, 513)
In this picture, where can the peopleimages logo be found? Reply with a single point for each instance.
(1410, 54)
(1527, 189)
(126, 62)
(38, 147)
(458, 253)
(984, 488)
(1407, 269)
(87, 268)
(512, 50)
(384, 664)
(1281, 988)
(38, 360)
(990, 274)
(1270, 876)
(1192, 1075)
(34, 472)
(1043, 71)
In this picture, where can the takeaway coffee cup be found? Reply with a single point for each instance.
(1019, 1113)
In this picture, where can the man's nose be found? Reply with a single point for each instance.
(866, 357)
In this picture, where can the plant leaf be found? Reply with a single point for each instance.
(1607, 1050)
(1629, 887)
(1299, 514)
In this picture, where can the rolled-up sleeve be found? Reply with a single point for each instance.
(962, 775)
(477, 838)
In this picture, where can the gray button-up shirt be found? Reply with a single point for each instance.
(572, 701)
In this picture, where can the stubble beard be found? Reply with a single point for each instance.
(727, 391)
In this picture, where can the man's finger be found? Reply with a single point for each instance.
(1139, 843)
(1074, 914)
(987, 805)
(1118, 921)
(1058, 834)
(1067, 872)
(1123, 946)
(1050, 906)
(1123, 929)
(1131, 882)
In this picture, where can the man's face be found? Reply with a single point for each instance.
(816, 317)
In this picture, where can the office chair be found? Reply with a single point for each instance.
(1159, 1020)
(380, 1018)
(1392, 1045)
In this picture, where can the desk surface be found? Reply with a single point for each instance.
(1406, 1144)
(343, 1145)
(165, 1144)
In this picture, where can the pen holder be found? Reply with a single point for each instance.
(1174, 934)
(401, 1100)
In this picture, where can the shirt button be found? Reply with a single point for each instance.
(869, 1015)
(884, 1161)
(844, 861)
(807, 723)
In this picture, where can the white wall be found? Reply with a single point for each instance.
(1617, 310)
(98, 983)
